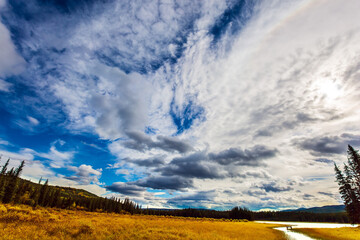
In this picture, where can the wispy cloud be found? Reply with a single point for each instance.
(10, 60)
(189, 96)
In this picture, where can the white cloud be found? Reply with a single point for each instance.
(2, 3)
(10, 61)
(5, 86)
(291, 72)
(33, 120)
(85, 174)
(4, 142)
(58, 158)
(284, 73)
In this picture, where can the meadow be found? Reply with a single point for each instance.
(332, 233)
(25, 222)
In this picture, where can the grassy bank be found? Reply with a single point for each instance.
(23, 222)
(332, 233)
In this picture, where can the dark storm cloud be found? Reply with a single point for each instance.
(204, 165)
(323, 145)
(195, 200)
(165, 182)
(214, 165)
(327, 145)
(192, 166)
(256, 193)
(308, 196)
(328, 194)
(171, 144)
(150, 162)
(274, 187)
(129, 189)
(237, 156)
(141, 142)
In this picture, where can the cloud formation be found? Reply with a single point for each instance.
(249, 157)
(246, 97)
(11, 62)
(125, 189)
(164, 182)
(141, 142)
(328, 145)
(85, 174)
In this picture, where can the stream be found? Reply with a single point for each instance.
(291, 235)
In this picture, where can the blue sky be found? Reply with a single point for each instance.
(182, 103)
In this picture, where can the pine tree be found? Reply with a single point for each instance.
(4, 168)
(11, 173)
(56, 198)
(43, 193)
(349, 184)
(19, 169)
(3, 178)
(10, 188)
(354, 165)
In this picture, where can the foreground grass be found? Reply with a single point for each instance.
(22, 222)
(332, 233)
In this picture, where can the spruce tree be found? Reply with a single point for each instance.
(10, 188)
(3, 178)
(349, 184)
(19, 169)
(43, 193)
(56, 198)
(4, 168)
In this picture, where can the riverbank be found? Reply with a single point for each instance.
(332, 233)
(324, 231)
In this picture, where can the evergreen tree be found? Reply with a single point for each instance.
(10, 188)
(4, 168)
(56, 198)
(349, 184)
(19, 169)
(43, 193)
(11, 173)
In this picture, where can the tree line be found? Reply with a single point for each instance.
(234, 213)
(349, 184)
(15, 190)
(244, 213)
(301, 216)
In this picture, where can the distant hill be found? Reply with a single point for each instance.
(65, 191)
(324, 209)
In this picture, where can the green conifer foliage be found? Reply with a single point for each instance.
(349, 184)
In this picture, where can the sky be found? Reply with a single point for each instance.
(205, 104)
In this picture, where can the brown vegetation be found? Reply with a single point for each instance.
(24, 222)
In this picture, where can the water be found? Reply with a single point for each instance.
(299, 236)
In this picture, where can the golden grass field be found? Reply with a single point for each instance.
(332, 233)
(23, 222)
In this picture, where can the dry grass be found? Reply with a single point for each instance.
(332, 233)
(22, 222)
